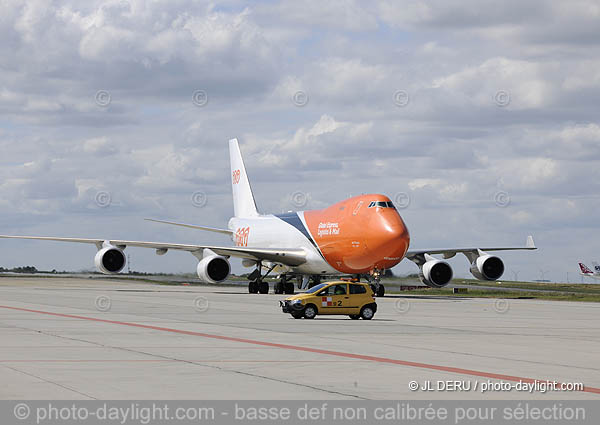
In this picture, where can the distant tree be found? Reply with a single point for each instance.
(24, 269)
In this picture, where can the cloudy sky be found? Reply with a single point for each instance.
(481, 117)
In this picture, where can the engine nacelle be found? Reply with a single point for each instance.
(436, 273)
(110, 260)
(213, 269)
(487, 267)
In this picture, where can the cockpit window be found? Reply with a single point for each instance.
(381, 204)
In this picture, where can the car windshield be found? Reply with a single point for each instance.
(316, 288)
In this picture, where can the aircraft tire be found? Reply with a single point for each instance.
(278, 288)
(381, 291)
(297, 314)
(253, 287)
(288, 288)
(263, 287)
(355, 316)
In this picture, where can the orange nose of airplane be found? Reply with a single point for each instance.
(389, 239)
(367, 233)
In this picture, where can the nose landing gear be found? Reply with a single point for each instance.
(374, 279)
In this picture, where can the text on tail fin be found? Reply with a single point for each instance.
(243, 199)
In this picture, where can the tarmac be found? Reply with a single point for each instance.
(76, 338)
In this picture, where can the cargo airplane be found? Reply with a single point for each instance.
(360, 237)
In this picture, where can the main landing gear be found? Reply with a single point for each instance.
(315, 280)
(374, 279)
(284, 286)
(305, 281)
(257, 284)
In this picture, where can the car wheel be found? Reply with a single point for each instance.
(367, 312)
(297, 315)
(381, 291)
(355, 316)
(263, 287)
(253, 287)
(288, 287)
(310, 312)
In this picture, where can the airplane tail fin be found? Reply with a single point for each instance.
(243, 200)
(585, 269)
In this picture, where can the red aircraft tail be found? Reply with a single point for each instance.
(585, 269)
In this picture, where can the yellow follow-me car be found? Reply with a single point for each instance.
(352, 298)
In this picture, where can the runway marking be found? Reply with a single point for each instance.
(386, 360)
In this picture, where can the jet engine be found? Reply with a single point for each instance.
(436, 273)
(487, 267)
(213, 269)
(110, 259)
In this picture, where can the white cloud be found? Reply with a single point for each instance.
(534, 22)
(421, 183)
(100, 146)
(523, 82)
(347, 15)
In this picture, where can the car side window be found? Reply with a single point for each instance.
(357, 289)
(333, 290)
(326, 291)
(339, 290)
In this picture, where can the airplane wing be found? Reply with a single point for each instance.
(288, 256)
(418, 256)
(192, 226)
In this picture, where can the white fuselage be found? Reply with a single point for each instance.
(269, 231)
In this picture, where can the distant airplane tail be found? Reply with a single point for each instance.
(243, 199)
(585, 269)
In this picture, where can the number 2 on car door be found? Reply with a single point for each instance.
(333, 299)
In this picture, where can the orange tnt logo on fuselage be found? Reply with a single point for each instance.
(357, 240)
(241, 236)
